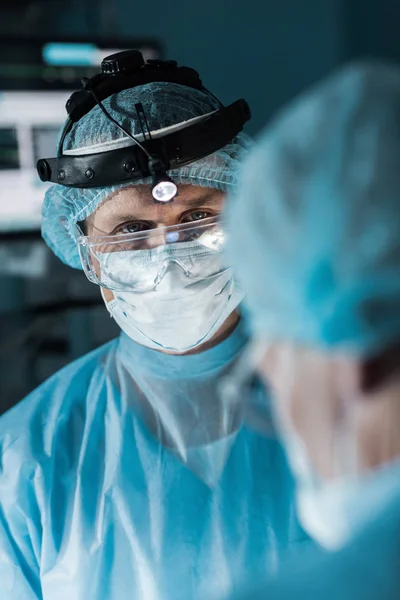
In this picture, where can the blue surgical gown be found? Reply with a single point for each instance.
(117, 484)
(366, 568)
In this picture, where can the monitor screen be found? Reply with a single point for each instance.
(36, 80)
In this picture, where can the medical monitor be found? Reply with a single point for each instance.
(36, 79)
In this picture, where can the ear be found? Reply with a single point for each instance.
(380, 368)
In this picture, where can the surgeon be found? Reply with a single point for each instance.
(125, 476)
(314, 232)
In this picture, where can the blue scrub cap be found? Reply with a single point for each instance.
(314, 225)
(166, 105)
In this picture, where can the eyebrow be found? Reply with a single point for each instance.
(204, 201)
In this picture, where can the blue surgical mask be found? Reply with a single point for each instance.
(181, 312)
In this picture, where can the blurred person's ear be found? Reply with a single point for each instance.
(372, 388)
(381, 369)
(368, 377)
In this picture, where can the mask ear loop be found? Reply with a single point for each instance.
(109, 303)
(345, 455)
(293, 444)
(346, 459)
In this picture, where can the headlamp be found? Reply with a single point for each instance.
(163, 188)
(152, 157)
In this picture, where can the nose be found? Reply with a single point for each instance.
(159, 237)
(154, 239)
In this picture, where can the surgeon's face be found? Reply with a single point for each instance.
(321, 399)
(308, 401)
(132, 209)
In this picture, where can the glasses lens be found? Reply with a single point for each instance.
(137, 261)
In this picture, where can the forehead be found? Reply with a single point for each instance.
(139, 198)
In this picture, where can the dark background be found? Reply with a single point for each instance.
(264, 51)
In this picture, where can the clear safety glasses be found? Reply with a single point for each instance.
(138, 262)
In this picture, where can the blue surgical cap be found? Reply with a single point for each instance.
(166, 105)
(314, 224)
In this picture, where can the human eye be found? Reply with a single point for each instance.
(131, 227)
(197, 215)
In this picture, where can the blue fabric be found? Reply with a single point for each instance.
(165, 105)
(314, 224)
(94, 507)
(368, 568)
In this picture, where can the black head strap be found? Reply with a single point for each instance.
(127, 70)
(129, 164)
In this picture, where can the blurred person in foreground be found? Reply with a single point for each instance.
(124, 476)
(314, 232)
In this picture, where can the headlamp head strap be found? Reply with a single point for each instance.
(151, 156)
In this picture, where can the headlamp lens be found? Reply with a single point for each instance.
(164, 191)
